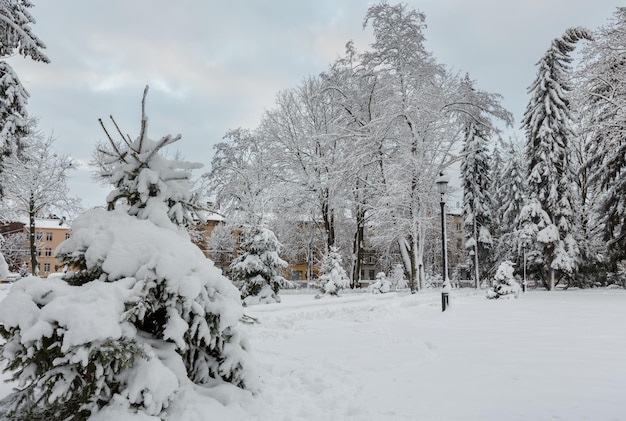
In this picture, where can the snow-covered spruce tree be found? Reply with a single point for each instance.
(259, 266)
(476, 198)
(382, 284)
(505, 285)
(145, 313)
(13, 114)
(477, 108)
(510, 179)
(511, 192)
(333, 277)
(398, 279)
(16, 37)
(547, 123)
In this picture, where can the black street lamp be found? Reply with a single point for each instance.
(442, 186)
(524, 241)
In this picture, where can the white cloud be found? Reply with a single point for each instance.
(214, 66)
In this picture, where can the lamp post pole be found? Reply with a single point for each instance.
(442, 186)
(524, 281)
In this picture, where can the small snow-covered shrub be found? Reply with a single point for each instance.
(258, 267)
(382, 284)
(333, 276)
(505, 285)
(431, 281)
(398, 279)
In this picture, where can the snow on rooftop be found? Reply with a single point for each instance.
(45, 223)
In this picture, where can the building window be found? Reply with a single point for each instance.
(67, 235)
(46, 267)
(362, 273)
(372, 260)
(458, 227)
(48, 236)
(296, 275)
(229, 257)
(38, 252)
(372, 274)
(39, 235)
(48, 252)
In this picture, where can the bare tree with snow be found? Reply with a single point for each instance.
(36, 185)
(13, 247)
(603, 104)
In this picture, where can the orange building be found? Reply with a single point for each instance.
(49, 234)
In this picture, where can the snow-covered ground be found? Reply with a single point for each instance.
(546, 356)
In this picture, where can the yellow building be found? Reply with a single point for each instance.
(49, 234)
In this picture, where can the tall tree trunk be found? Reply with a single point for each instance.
(31, 236)
(357, 247)
(550, 279)
(413, 280)
(309, 261)
(476, 271)
(406, 261)
(329, 220)
(414, 260)
(419, 262)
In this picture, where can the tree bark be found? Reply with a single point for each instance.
(31, 236)
(357, 247)
(329, 220)
(476, 272)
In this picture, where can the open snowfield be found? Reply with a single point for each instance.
(546, 356)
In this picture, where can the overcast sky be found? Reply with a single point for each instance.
(217, 65)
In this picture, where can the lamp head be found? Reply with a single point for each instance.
(442, 183)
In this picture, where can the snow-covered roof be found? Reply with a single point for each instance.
(455, 211)
(42, 223)
(211, 216)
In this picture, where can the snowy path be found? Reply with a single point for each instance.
(546, 356)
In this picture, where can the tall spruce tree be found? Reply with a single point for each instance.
(477, 109)
(16, 37)
(547, 124)
(511, 197)
(512, 191)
